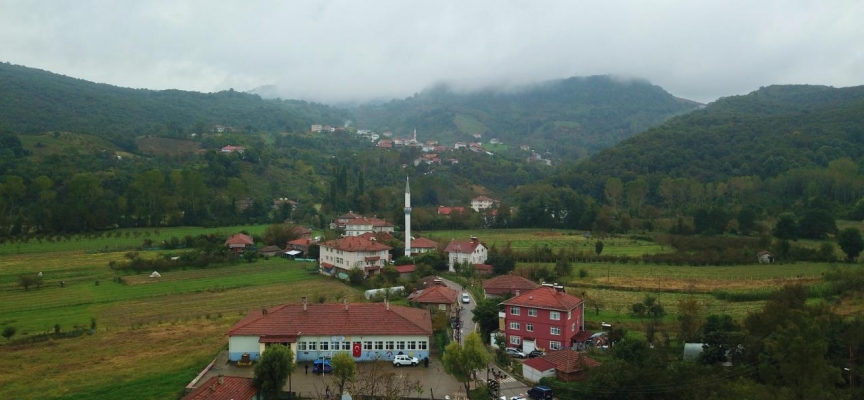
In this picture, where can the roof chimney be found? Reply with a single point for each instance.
(345, 300)
(474, 239)
(263, 311)
(517, 291)
(221, 379)
(304, 303)
(387, 304)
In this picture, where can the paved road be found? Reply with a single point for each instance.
(467, 312)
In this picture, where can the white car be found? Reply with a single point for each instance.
(466, 298)
(401, 360)
(514, 352)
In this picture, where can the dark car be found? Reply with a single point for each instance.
(322, 365)
(536, 353)
(540, 393)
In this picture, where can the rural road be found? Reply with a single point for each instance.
(467, 312)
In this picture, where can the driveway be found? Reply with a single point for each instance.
(467, 312)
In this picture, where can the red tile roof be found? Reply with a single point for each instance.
(301, 242)
(539, 364)
(379, 236)
(240, 239)
(404, 269)
(545, 297)
(569, 361)
(423, 243)
(462, 246)
(232, 387)
(448, 210)
(335, 319)
(483, 268)
(355, 244)
(504, 284)
(435, 295)
(379, 222)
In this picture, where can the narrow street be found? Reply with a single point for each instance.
(467, 312)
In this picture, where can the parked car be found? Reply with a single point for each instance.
(466, 298)
(322, 365)
(401, 359)
(536, 353)
(540, 393)
(514, 352)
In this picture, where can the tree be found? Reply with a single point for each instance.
(562, 268)
(786, 228)
(720, 335)
(462, 361)
(8, 332)
(279, 234)
(614, 190)
(598, 247)
(486, 316)
(344, 370)
(851, 242)
(274, 366)
(817, 224)
(689, 319)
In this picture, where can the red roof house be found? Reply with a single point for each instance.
(462, 251)
(501, 285)
(224, 388)
(239, 242)
(437, 297)
(544, 318)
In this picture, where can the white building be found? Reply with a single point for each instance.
(461, 251)
(482, 202)
(352, 252)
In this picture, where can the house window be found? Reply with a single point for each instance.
(555, 345)
(529, 327)
(514, 326)
(515, 340)
(367, 345)
(334, 346)
(514, 310)
(569, 315)
(573, 327)
(389, 345)
(421, 345)
(555, 330)
(400, 345)
(325, 346)
(346, 345)
(412, 345)
(554, 315)
(532, 312)
(313, 346)
(301, 346)
(379, 345)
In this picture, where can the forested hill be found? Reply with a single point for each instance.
(570, 118)
(34, 101)
(786, 142)
(764, 133)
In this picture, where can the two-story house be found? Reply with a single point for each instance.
(340, 256)
(359, 226)
(482, 202)
(545, 318)
(461, 251)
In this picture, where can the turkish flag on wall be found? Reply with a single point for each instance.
(357, 349)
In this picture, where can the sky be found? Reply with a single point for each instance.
(355, 51)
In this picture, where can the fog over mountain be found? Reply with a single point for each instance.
(348, 51)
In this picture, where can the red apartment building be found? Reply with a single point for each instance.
(545, 318)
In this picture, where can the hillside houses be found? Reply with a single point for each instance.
(465, 251)
(338, 257)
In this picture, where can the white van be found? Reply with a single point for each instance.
(401, 359)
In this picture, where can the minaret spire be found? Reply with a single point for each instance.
(408, 215)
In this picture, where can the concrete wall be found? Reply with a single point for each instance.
(237, 345)
(534, 375)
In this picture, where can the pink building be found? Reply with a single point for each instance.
(545, 318)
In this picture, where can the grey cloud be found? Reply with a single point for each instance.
(358, 50)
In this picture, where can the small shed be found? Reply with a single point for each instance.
(534, 369)
(765, 257)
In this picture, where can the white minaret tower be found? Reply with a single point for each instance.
(407, 218)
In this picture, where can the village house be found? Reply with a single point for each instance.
(363, 225)
(366, 331)
(500, 286)
(298, 247)
(482, 202)
(546, 318)
(565, 365)
(406, 271)
(483, 269)
(240, 243)
(345, 218)
(340, 256)
(232, 149)
(462, 251)
(450, 210)
(422, 245)
(436, 298)
(317, 128)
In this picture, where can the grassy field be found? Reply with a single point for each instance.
(117, 240)
(153, 334)
(525, 239)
